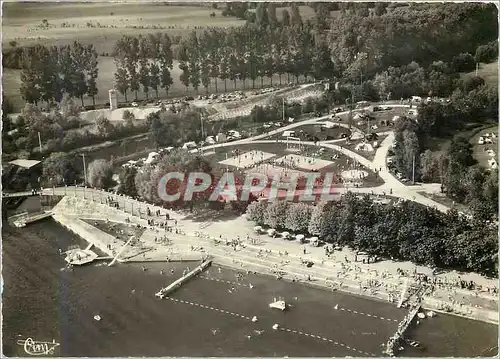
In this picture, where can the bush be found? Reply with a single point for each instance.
(487, 53)
(463, 63)
(128, 115)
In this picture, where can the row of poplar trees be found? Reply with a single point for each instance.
(243, 54)
(48, 73)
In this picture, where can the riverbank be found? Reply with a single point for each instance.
(135, 323)
(383, 280)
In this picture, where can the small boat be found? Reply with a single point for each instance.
(276, 326)
(431, 314)
(97, 317)
(254, 319)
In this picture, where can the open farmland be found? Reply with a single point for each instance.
(102, 24)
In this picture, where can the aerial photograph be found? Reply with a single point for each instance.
(249, 179)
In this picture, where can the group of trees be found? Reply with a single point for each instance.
(144, 184)
(59, 130)
(407, 231)
(462, 179)
(50, 72)
(361, 44)
(387, 39)
(143, 62)
(234, 54)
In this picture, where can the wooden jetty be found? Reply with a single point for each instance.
(24, 218)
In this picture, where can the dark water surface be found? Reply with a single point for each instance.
(42, 302)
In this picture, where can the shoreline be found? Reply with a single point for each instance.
(246, 259)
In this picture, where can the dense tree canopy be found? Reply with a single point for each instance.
(426, 237)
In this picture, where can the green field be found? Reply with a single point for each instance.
(489, 72)
(21, 20)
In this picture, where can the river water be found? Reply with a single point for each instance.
(44, 302)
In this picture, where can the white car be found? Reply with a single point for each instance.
(135, 104)
(480, 141)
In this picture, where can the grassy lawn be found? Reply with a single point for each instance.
(120, 231)
(368, 155)
(441, 198)
(21, 20)
(489, 72)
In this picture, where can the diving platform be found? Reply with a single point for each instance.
(278, 303)
(80, 257)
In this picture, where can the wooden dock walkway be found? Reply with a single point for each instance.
(23, 219)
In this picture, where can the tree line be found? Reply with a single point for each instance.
(50, 72)
(321, 47)
(406, 231)
(143, 62)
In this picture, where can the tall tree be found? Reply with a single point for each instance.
(92, 72)
(285, 18)
(261, 17)
(122, 81)
(296, 19)
(154, 77)
(271, 14)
